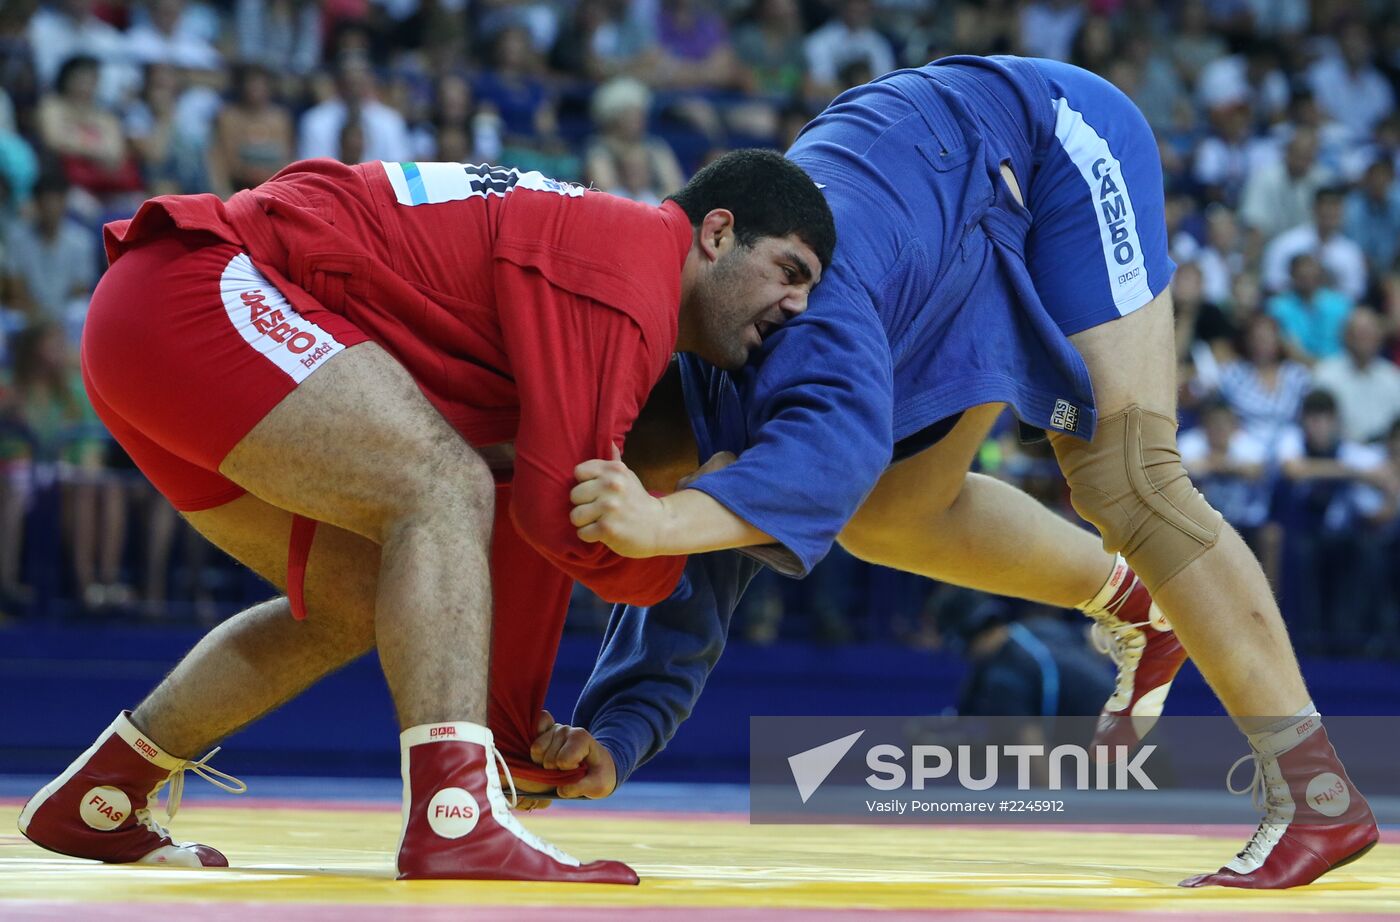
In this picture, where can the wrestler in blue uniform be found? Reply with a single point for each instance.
(944, 294)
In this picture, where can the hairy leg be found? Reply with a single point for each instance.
(262, 657)
(1220, 605)
(928, 515)
(358, 446)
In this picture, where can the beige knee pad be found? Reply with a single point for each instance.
(1130, 485)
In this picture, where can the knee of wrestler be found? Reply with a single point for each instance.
(1109, 518)
(1130, 484)
(440, 478)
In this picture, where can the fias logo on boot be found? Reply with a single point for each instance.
(453, 812)
(104, 808)
(1328, 794)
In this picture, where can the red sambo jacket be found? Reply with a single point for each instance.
(526, 309)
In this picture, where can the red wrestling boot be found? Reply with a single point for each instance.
(1132, 630)
(457, 824)
(100, 807)
(1314, 817)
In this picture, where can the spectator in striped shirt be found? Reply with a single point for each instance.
(1263, 387)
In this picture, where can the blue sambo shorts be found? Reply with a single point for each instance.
(1097, 247)
(1089, 245)
(1088, 166)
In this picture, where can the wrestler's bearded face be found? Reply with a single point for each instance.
(747, 293)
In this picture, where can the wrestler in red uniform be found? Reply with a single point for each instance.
(525, 310)
(453, 293)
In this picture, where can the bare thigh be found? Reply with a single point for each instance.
(916, 490)
(357, 445)
(1132, 360)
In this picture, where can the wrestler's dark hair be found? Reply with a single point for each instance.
(769, 196)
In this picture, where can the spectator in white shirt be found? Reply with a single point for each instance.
(166, 39)
(1049, 28)
(1340, 256)
(386, 134)
(846, 38)
(170, 36)
(1348, 85)
(1316, 450)
(1229, 154)
(1367, 387)
(1337, 151)
(1252, 77)
(67, 28)
(1280, 196)
(1223, 256)
(1230, 465)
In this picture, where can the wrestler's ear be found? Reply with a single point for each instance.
(717, 233)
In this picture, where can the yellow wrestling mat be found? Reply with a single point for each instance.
(335, 862)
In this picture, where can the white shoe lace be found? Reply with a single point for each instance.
(1273, 800)
(505, 770)
(1113, 635)
(1120, 640)
(506, 818)
(1115, 638)
(176, 780)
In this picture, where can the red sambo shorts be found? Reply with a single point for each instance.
(187, 346)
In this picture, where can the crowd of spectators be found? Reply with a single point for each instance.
(1277, 126)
